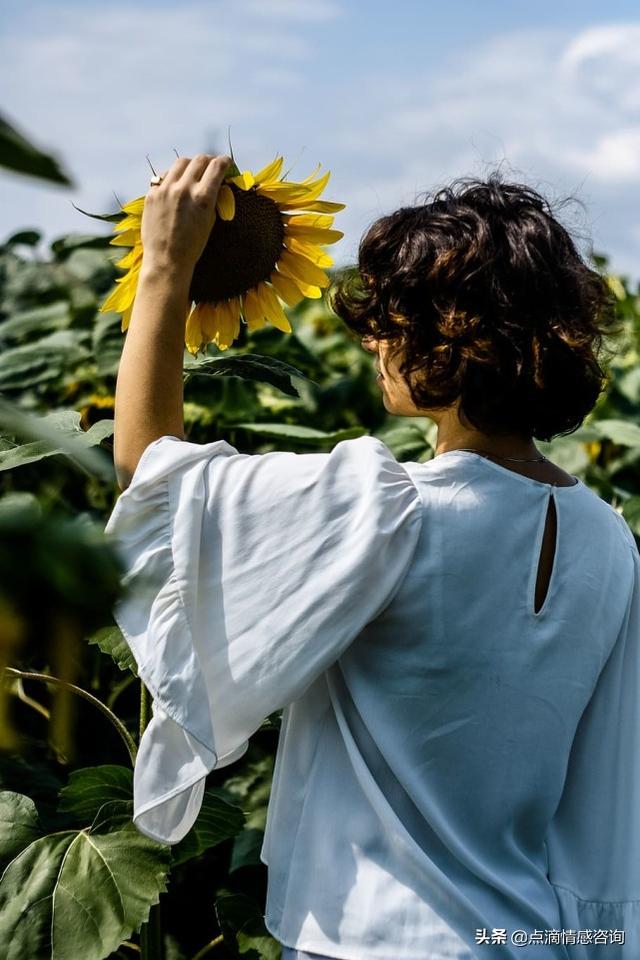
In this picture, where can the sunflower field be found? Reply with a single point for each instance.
(77, 880)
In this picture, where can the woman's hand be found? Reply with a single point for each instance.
(179, 214)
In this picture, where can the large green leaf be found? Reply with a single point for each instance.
(41, 361)
(91, 787)
(111, 641)
(407, 442)
(19, 825)
(17, 153)
(70, 242)
(80, 893)
(52, 316)
(246, 849)
(217, 821)
(293, 431)
(107, 342)
(58, 432)
(249, 366)
(241, 918)
(30, 238)
(623, 432)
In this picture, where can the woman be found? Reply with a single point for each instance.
(455, 644)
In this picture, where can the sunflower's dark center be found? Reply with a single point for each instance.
(240, 252)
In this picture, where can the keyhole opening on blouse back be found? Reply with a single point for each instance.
(547, 555)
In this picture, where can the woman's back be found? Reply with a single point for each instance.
(449, 725)
(449, 754)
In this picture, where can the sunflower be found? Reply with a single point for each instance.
(265, 249)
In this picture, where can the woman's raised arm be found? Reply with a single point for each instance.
(177, 220)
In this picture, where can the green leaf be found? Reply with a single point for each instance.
(19, 825)
(98, 432)
(80, 893)
(64, 246)
(407, 442)
(265, 947)
(111, 641)
(241, 918)
(109, 217)
(292, 431)
(631, 513)
(91, 787)
(53, 316)
(249, 366)
(30, 238)
(58, 432)
(623, 432)
(107, 342)
(41, 361)
(17, 153)
(217, 821)
(246, 849)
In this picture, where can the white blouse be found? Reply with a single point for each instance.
(447, 755)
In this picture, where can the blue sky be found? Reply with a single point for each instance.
(395, 98)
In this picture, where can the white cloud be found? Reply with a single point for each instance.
(291, 10)
(529, 101)
(556, 109)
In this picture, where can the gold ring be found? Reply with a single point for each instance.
(155, 181)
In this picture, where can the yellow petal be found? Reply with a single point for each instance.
(270, 172)
(229, 323)
(311, 175)
(244, 181)
(314, 190)
(131, 276)
(308, 220)
(273, 308)
(130, 258)
(209, 320)
(317, 256)
(279, 191)
(314, 234)
(127, 239)
(226, 203)
(127, 223)
(286, 289)
(135, 206)
(252, 310)
(306, 289)
(193, 333)
(120, 298)
(126, 318)
(322, 206)
(309, 290)
(297, 267)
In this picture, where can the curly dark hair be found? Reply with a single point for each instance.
(485, 297)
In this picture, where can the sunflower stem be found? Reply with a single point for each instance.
(151, 946)
(129, 742)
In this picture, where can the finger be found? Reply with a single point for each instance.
(177, 169)
(213, 175)
(197, 167)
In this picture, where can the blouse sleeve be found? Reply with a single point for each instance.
(246, 576)
(593, 842)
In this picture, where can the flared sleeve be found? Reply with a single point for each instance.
(246, 577)
(593, 842)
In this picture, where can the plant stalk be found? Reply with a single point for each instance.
(129, 742)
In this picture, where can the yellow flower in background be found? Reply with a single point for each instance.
(265, 249)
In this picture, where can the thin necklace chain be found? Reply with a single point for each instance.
(499, 456)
